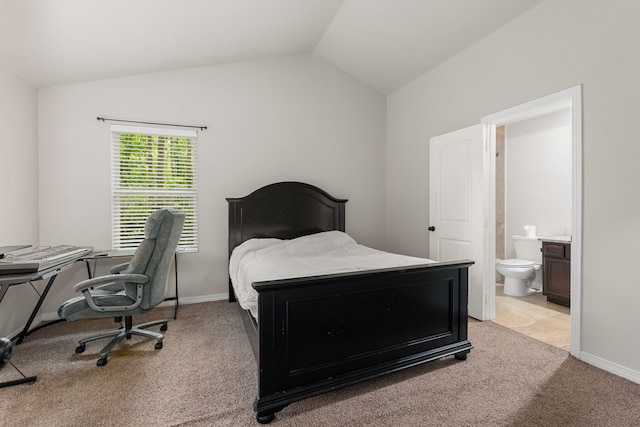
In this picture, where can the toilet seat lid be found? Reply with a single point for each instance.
(516, 263)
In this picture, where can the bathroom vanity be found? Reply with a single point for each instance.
(556, 267)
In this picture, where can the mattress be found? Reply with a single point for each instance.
(329, 252)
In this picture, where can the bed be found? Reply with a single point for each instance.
(318, 332)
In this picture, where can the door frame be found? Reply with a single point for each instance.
(571, 98)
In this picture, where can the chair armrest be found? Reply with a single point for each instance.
(118, 268)
(86, 286)
(109, 279)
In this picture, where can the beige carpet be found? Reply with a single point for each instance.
(206, 376)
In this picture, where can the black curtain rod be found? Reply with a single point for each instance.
(104, 119)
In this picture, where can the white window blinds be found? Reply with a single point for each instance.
(152, 168)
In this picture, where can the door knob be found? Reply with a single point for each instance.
(432, 228)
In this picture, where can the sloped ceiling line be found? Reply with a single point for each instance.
(383, 43)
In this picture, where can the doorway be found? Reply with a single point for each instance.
(571, 99)
(533, 198)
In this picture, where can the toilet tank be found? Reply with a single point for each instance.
(528, 248)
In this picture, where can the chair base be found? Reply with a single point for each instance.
(126, 332)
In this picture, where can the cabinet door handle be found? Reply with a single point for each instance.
(432, 228)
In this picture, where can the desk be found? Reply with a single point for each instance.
(7, 280)
(120, 253)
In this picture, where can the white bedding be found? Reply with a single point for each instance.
(323, 253)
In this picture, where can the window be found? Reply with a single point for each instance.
(153, 168)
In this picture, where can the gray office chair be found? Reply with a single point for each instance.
(132, 288)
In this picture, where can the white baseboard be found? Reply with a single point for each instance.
(47, 317)
(13, 335)
(608, 366)
(196, 300)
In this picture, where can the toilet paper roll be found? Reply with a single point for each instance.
(530, 231)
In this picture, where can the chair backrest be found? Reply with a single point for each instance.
(153, 257)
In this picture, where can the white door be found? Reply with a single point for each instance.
(456, 214)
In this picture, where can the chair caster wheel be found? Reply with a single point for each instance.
(158, 345)
(163, 327)
(80, 348)
(102, 361)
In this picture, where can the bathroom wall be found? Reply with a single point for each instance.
(538, 176)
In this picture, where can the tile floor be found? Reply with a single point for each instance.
(534, 316)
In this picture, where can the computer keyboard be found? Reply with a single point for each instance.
(41, 259)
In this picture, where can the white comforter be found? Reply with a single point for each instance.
(323, 253)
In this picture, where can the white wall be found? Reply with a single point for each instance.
(538, 176)
(292, 118)
(19, 177)
(554, 46)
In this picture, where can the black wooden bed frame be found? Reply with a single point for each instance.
(317, 334)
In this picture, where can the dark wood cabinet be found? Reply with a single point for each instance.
(556, 267)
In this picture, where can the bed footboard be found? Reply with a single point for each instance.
(318, 334)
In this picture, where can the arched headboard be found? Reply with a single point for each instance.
(284, 210)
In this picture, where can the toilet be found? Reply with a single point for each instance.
(519, 273)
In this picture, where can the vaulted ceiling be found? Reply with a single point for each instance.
(383, 43)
